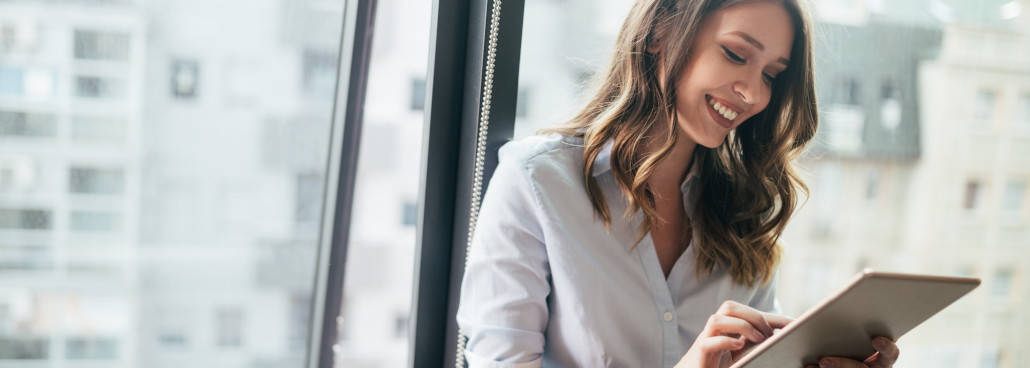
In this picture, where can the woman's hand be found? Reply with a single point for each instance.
(885, 356)
(726, 334)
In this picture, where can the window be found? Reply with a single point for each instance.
(400, 325)
(94, 221)
(82, 180)
(99, 87)
(848, 92)
(883, 87)
(319, 72)
(27, 124)
(418, 94)
(32, 83)
(12, 81)
(890, 105)
(185, 74)
(309, 190)
(872, 187)
(229, 327)
(1015, 194)
(1022, 121)
(25, 258)
(27, 219)
(101, 45)
(144, 184)
(985, 107)
(24, 348)
(1001, 288)
(409, 213)
(173, 340)
(972, 195)
(77, 348)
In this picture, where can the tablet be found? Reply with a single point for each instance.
(872, 304)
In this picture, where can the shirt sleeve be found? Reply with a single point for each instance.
(765, 298)
(503, 307)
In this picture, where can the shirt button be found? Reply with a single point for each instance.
(667, 316)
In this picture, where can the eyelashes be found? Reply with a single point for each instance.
(737, 59)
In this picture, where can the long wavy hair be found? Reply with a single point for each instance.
(748, 189)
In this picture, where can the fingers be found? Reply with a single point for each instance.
(721, 343)
(726, 325)
(776, 320)
(751, 315)
(886, 353)
(835, 362)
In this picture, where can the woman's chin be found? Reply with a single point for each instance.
(711, 142)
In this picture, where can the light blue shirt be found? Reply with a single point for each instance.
(547, 285)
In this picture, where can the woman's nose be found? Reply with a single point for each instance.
(749, 91)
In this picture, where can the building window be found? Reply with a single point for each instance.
(172, 339)
(185, 75)
(1023, 112)
(91, 348)
(984, 109)
(24, 348)
(418, 94)
(99, 87)
(848, 92)
(410, 213)
(299, 318)
(12, 81)
(972, 196)
(94, 221)
(400, 325)
(96, 181)
(25, 219)
(890, 105)
(229, 327)
(309, 198)
(872, 186)
(98, 45)
(1002, 285)
(1015, 192)
(27, 124)
(318, 75)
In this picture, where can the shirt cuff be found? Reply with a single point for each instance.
(476, 361)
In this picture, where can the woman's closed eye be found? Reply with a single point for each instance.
(733, 56)
(737, 59)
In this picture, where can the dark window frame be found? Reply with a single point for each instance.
(459, 45)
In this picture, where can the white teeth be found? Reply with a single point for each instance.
(724, 111)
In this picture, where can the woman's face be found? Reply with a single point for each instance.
(728, 78)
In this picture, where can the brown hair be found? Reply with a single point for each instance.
(747, 187)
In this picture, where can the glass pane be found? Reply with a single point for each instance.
(380, 258)
(162, 166)
(919, 164)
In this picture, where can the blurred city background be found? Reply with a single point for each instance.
(162, 165)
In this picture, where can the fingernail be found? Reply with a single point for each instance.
(827, 363)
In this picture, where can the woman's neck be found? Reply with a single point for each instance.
(672, 169)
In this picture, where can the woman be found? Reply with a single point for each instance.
(644, 233)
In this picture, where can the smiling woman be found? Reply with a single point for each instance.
(690, 137)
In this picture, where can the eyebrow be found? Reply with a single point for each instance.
(756, 44)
